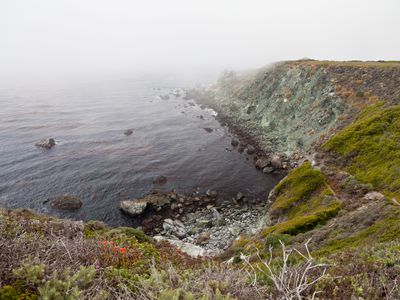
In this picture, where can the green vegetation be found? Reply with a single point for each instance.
(304, 200)
(296, 187)
(386, 229)
(369, 148)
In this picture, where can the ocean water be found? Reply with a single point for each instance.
(94, 160)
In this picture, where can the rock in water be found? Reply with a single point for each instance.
(67, 202)
(160, 180)
(262, 162)
(235, 143)
(128, 132)
(212, 194)
(239, 196)
(134, 207)
(268, 170)
(46, 143)
(250, 150)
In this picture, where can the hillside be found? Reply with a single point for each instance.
(331, 228)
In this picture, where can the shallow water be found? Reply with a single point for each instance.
(93, 159)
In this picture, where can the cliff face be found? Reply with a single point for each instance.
(289, 106)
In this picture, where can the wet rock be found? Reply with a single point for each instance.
(212, 194)
(268, 170)
(262, 162)
(157, 201)
(67, 202)
(46, 143)
(128, 132)
(276, 162)
(134, 207)
(239, 196)
(250, 150)
(152, 223)
(160, 180)
(235, 143)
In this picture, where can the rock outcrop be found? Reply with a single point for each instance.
(67, 202)
(46, 143)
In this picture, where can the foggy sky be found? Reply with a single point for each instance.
(56, 38)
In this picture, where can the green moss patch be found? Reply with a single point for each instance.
(369, 148)
(297, 187)
(304, 200)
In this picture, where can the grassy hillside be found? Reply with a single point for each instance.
(370, 148)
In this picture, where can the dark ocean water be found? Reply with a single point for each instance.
(93, 159)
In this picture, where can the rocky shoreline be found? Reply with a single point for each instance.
(201, 221)
(204, 223)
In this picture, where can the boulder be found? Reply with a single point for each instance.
(46, 143)
(67, 202)
(175, 227)
(262, 162)
(268, 170)
(128, 132)
(212, 194)
(235, 143)
(373, 196)
(239, 196)
(189, 249)
(134, 207)
(276, 162)
(250, 150)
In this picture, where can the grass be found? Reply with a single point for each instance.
(384, 230)
(369, 148)
(297, 187)
(303, 200)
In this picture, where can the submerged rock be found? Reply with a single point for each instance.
(67, 202)
(209, 130)
(160, 180)
(46, 143)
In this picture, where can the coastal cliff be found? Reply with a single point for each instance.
(289, 106)
(329, 230)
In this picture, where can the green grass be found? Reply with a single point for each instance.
(385, 230)
(370, 148)
(298, 186)
(303, 223)
(303, 201)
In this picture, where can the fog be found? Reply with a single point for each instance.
(64, 39)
